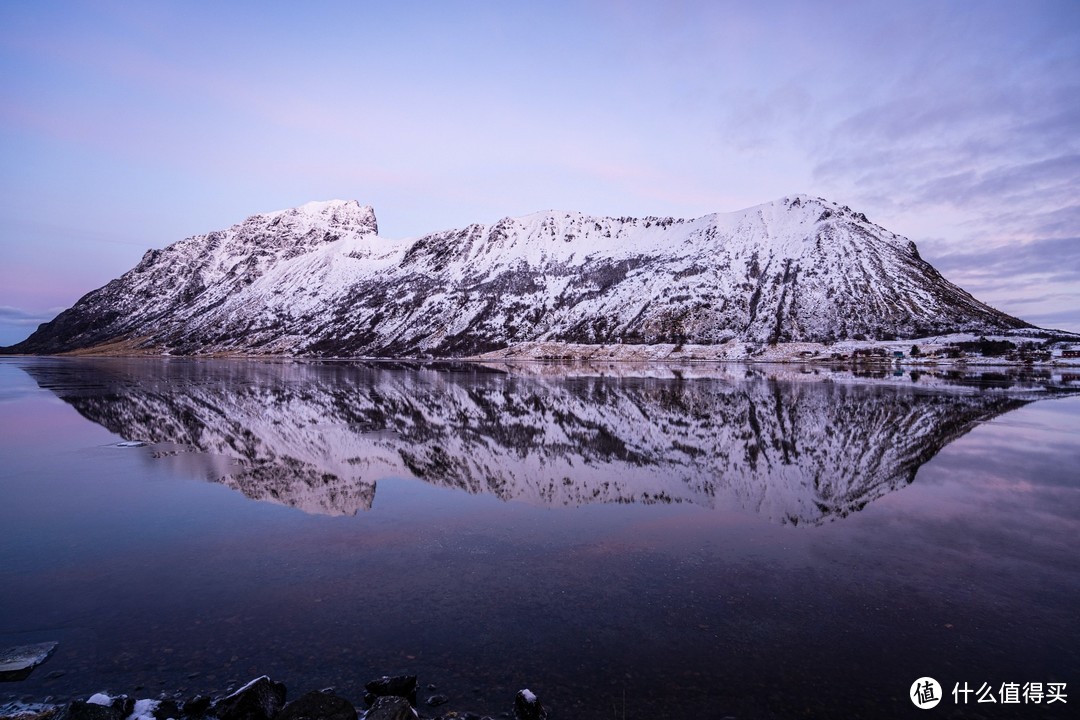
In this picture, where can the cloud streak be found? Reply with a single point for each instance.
(1027, 259)
(26, 318)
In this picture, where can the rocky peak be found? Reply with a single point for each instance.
(344, 214)
(331, 215)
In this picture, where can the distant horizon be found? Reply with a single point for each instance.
(130, 127)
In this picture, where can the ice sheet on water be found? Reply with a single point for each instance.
(24, 657)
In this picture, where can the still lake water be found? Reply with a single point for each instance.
(638, 541)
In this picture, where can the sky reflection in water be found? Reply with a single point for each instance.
(714, 600)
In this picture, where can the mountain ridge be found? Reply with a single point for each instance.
(318, 280)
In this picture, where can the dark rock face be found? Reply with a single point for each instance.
(403, 686)
(260, 699)
(317, 281)
(318, 705)
(391, 708)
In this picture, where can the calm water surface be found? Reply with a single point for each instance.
(652, 542)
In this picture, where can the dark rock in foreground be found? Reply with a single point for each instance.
(260, 699)
(391, 707)
(196, 707)
(264, 699)
(98, 707)
(167, 709)
(403, 686)
(527, 706)
(318, 705)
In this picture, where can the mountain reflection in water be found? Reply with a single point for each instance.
(796, 447)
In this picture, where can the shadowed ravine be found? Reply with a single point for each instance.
(798, 448)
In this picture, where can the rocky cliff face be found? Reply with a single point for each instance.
(319, 280)
(320, 438)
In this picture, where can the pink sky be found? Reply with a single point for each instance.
(128, 127)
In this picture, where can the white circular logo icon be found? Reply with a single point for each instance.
(925, 693)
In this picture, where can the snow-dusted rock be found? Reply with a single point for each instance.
(98, 706)
(260, 699)
(528, 707)
(319, 280)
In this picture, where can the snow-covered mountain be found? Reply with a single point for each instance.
(319, 280)
(319, 437)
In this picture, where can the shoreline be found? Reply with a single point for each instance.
(1035, 349)
(385, 698)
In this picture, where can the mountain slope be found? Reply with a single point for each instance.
(319, 280)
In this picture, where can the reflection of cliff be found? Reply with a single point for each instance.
(319, 436)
